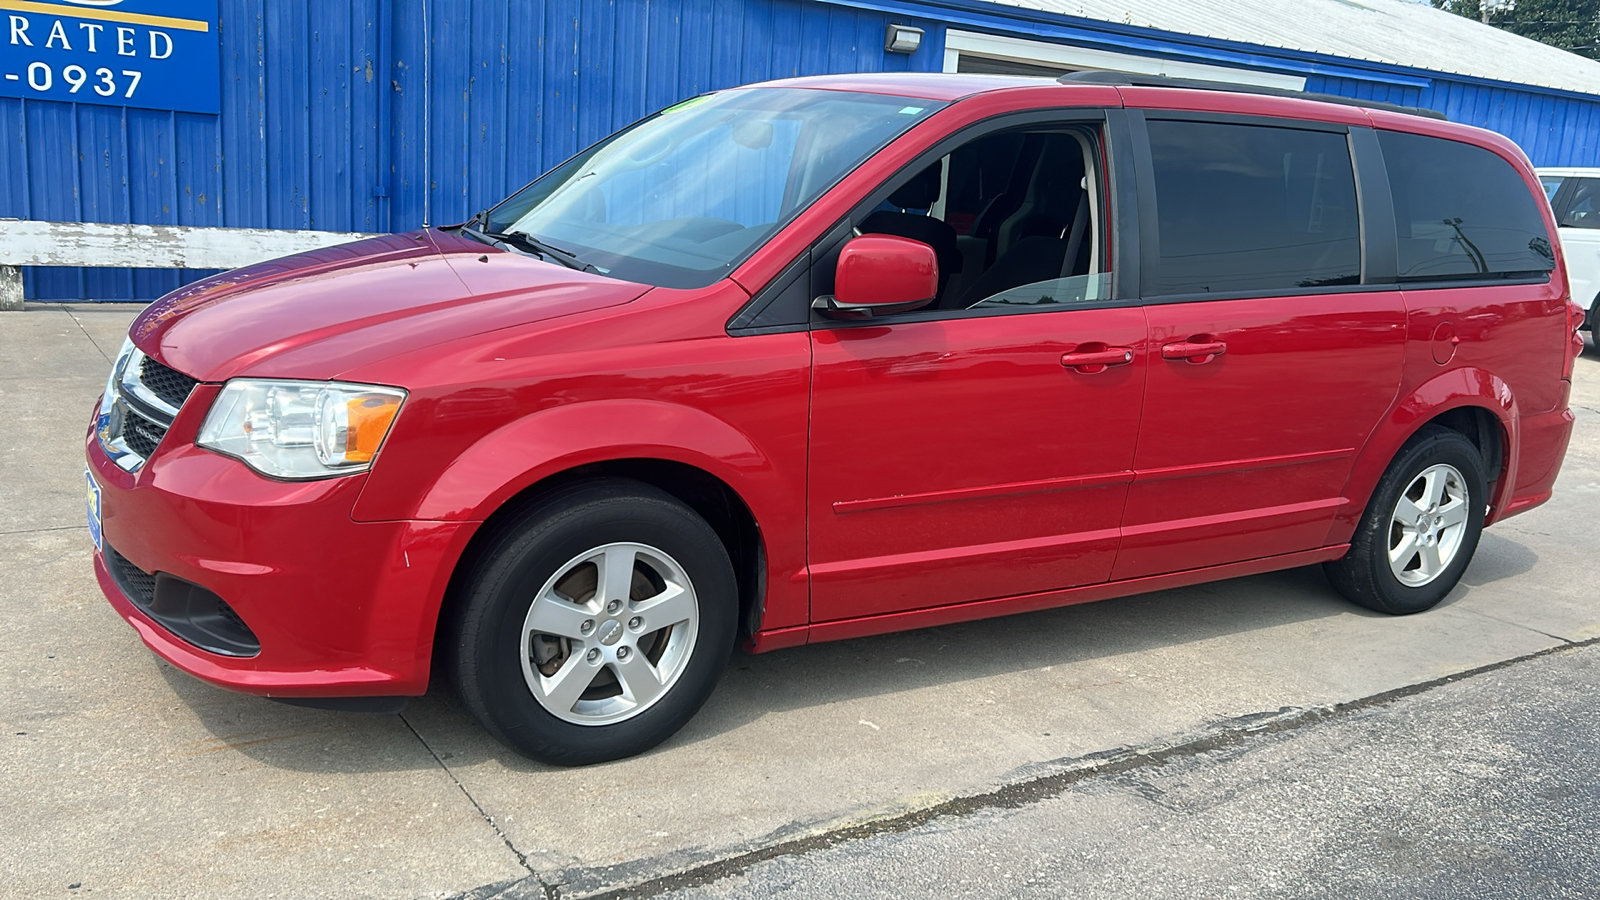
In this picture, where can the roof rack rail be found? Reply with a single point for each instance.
(1131, 79)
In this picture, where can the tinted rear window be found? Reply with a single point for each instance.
(1253, 208)
(1462, 212)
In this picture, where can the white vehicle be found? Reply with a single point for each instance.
(1575, 196)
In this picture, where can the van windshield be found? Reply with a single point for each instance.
(680, 198)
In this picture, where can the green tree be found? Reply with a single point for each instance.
(1569, 24)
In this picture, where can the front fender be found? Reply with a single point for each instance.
(528, 450)
(1454, 389)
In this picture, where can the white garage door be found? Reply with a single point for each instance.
(967, 51)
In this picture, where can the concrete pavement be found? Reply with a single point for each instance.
(135, 780)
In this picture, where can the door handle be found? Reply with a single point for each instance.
(1092, 361)
(1196, 352)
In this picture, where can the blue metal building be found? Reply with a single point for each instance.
(381, 115)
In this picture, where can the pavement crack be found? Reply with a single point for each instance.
(42, 530)
(1230, 734)
(1523, 626)
(98, 349)
(522, 859)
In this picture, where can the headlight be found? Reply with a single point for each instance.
(301, 429)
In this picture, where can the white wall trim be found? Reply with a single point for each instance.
(969, 43)
(25, 242)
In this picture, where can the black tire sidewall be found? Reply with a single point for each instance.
(1432, 448)
(490, 671)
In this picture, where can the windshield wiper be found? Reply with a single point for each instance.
(527, 242)
(565, 257)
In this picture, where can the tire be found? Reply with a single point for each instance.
(1442, 472)
(567, 671)
(1594, 324)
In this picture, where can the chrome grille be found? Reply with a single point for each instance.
(142, 435)
(168, 384)
(142, 399)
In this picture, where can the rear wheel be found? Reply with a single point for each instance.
(1420, 529)
(595, 624)
(1594, 323)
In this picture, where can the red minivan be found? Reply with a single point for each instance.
(830, 357)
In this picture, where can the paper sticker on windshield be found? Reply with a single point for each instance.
(910, 110)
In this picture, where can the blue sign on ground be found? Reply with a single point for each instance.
(159, 54)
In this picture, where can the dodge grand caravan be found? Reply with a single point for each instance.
(831, 357)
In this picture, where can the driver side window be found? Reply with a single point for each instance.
(1016, 219)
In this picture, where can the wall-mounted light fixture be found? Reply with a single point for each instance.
(902, 39)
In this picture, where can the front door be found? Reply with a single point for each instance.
(981, 447)
(959, 460)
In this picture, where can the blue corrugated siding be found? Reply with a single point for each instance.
(340, 115)
(513, 87)
(1365, 90)
(1552, 130)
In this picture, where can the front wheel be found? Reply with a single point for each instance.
(1420, 529)
(595, 623)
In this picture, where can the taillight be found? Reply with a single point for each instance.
(1575, 315)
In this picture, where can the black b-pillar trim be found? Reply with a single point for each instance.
(1144, 173)
(1126, 215)
(1380, 250)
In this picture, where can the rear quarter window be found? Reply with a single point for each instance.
(1462, 213)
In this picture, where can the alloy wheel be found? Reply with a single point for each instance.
(609, 634)
(1428, 524)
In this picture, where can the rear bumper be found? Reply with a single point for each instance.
(1542, 445)
(340, 608)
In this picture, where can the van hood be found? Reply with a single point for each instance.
(315, 315)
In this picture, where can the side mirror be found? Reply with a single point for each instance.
(881, 273)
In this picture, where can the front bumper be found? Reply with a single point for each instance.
(340, 608)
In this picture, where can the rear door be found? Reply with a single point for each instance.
(1273, 353)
